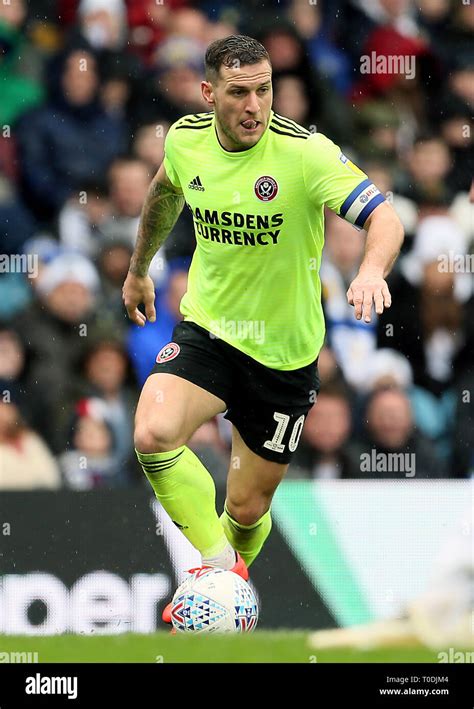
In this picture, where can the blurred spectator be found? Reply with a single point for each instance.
(289, 60)
(129, 179)
(428, 164)
(390, 430)
(378, 133)
(91, 462)
(69, 141)
(55, 329)
(328, 368)
(407, 85)
(149, 144)
(172, 87)
(432, 305)
(381, 175)
(20, 66)
(389, 368)
(290, 99)
(456, 130)
(352, 341)
(80, 219)
(103, 23)
(15, 361)
(26, 463)
(325, 450)
(101, 29)
(16, 222)
(330, 61)
(462, 464)
(148, 147)
(18, 289)
(113, 263)
(454, 42)
(148, 22)
(107, 377)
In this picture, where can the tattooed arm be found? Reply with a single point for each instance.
(161, 209)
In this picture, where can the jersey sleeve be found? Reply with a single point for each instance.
(332, 179)
(170, 158)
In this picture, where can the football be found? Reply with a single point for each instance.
(214, 601)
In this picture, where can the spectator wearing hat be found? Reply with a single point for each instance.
(172, 86)
(91, 461)
(388, 368)
(25, 461)
(55, 328)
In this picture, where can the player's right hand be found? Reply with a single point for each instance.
(136, 290)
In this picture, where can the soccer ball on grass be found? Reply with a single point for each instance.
(214, 601)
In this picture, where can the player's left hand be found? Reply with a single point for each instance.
(368, 287)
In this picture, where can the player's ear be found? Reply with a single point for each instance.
(207, 92)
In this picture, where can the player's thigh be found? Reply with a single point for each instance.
(251, 481)
(169, 411)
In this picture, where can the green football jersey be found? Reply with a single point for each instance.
(259, 224)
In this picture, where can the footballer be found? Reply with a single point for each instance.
(257, 184)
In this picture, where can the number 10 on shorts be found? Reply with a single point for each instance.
(275, 444)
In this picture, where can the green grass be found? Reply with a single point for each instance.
(162, 647)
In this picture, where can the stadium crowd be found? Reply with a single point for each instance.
(88, 90)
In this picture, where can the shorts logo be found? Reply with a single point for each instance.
(266, 188)
(169, 351)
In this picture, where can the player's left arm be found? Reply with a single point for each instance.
(384, 239)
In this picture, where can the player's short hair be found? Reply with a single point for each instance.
(234, 50)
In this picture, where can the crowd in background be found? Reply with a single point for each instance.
(88, 90)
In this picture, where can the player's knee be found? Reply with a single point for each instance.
(157, 437)
(247, 512)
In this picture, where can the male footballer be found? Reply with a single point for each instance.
(256, 184)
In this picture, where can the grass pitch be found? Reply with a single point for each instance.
(261, 646)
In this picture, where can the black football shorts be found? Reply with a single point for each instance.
(267, 406)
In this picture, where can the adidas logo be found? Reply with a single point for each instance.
(196, 184)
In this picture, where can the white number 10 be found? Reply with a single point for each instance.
(282, 423)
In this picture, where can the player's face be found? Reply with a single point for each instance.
(242, 99)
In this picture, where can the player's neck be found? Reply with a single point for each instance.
(227, 144)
